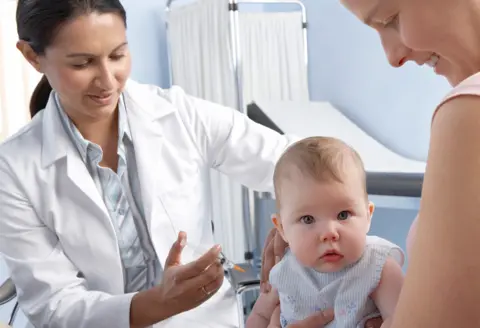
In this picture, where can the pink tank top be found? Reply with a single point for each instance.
(470, 86)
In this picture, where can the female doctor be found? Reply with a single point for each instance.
(94, 190)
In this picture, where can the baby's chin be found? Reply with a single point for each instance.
(331, 267)
(327, 266)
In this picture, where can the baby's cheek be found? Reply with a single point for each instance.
(305, 251)
(307, 258)
(411, 235)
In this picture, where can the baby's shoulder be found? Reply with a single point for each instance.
(378, 249)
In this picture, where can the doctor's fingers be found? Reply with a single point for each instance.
(204, 293)
(267, 258)
(279, 246)
(175, 253)
(213, 286)
(195, 268)
(212, 277)
(273, 252)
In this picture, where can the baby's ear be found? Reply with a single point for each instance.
(277, 222)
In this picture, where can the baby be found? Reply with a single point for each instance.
(324, 215)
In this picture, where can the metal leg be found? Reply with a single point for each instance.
(240, 292)
(13, 315)
(242, 283)
(240, 309)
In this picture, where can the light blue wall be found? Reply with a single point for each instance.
(147, 39)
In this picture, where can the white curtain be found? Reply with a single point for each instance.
(273, 68)
(200, 51)
(273, 56)
(17, 77)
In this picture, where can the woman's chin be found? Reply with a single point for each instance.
(453, 81)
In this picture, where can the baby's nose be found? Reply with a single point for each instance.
(330, 233)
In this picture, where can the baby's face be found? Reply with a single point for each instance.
(325, 223)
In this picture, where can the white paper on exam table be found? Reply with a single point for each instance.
(306, 119)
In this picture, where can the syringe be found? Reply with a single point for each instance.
(229, 264)
(224, 261)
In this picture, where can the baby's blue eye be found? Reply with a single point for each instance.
(343, 215)
(307, 219)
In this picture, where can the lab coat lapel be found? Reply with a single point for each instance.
(57, 145)
(145, 114)
(59, 151)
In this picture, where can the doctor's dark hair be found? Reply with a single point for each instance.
(38, 22)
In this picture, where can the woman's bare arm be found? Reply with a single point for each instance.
(442, 285)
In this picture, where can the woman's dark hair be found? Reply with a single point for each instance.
(39, 20)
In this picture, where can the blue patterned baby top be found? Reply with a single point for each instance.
(304, 291)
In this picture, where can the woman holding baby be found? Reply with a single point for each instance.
(444, 34)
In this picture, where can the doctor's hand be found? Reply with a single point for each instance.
(185, 287)
(273, 251)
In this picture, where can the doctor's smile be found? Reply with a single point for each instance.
(104, 100)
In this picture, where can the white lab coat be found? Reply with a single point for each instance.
(56, 234)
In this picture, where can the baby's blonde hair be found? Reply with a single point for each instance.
(321, 158)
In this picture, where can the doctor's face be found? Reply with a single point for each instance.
(88, 63)
(441, 33)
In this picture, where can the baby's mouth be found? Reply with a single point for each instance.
(331, 256)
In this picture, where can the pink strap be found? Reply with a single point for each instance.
(468, 87)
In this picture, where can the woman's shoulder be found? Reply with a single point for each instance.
(138, 89)
(25, 141)
(21, 151)
(468, 87)
(156, 100)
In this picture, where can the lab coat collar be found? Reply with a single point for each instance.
(55, 139)
(141, 105)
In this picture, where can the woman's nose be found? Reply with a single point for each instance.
(105, 78)
(398, 56)
(397, 53)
